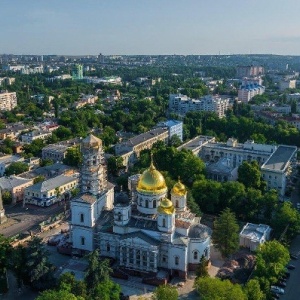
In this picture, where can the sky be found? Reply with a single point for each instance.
(149, 27)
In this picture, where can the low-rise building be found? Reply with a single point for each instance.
(287, 84)
(6, 160)
(221, 171)
(16, 186)
(48, 192)
(253, 235)
(197, 143)
(29, 137)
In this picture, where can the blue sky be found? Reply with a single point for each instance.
(149, 27)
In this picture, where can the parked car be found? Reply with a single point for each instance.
(277, 290)
(286, 274)
(281, 284)
(290, 267)
(293, 256)
(275, 296)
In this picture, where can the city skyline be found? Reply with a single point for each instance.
(149, 27)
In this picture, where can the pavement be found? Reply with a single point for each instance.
(22, 219)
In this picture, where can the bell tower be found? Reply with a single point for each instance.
(93, 170)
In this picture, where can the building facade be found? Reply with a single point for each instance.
(248, 91)
(146, 233)
(8, 101)
(182, 104)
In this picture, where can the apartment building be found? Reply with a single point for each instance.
(247, 92)
(8, 101)
(181, 104)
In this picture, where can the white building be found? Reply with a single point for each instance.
(174, 127)
(146, 233)
(28, 137)
(6, 160)
(8, 101)
(247, 92)
(253, 235)
(182, 104)
(287, 84)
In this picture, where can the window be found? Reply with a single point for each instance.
(81, 218)
(177, 204)
(119, 216)
(176, 260)
(154, 203)
(82, 241)
(147, 204)
(195, 254)
(164, 222)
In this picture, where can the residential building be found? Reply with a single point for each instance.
(130, 149)
(287, 84)
(77, 72)
(147, 234)
(247, 92)
(16, 186)
(29, 137)
(84, 100)
(48, 192)
(12, 131)
(8, 101)
(174, 127)
(182, 104)
(7, 80)
(6, 160)
(249, 71)
(253, 235)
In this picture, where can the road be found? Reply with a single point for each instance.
(292, 291)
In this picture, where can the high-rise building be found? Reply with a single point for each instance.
(8, 101)
(77, 72)
(248, 71)
(101, 58)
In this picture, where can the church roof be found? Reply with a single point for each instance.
(91, 142)
(199, 231)
(87, 198)
(141, 235)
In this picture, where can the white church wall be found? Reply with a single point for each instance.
(82, 214)
(82, 238)
(198, 246)
(178, 258)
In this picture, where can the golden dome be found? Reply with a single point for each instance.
(152, 181)
(179, 188)
(166, 207)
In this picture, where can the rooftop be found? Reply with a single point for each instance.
(10, 182)
(195, 142)
(255, 232)
(279, 160)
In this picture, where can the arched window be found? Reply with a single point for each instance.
(119, 216)
(147, 204)
(164, 223)
(177, 204)
(176, 260)
(154, 203)
(195, 254)
(108, 247)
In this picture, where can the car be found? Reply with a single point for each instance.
(293, 256)
(298, 205)
(277, 290)
(281, 284)
(275, 296)
(290, 267)
(286, 275)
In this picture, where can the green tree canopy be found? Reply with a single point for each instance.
(253, 291)
(73, 157)
(57, 295)
(165, 292)
(249, 174)
(216, 289)
(271, 259)
(16, 168)
(226, 233)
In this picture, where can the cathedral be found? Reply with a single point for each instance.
(144, 231)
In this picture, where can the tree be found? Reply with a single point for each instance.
(5, 252)
(226, 233)
(16, 168)
(114, 163)
(175, 141)
(165, 292)
(216, 289)
(6, 197)
(46, 162)
(35, 148)
(38, 179)
(97, 271)
(286, 216)
(201, 270)
(107, 290)
(39, 270)
(57, 295)
(271, 259)
(73, 157)
(253, 291)
(68, 282)
(249, 174)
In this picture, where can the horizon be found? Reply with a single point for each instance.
(159, 27)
